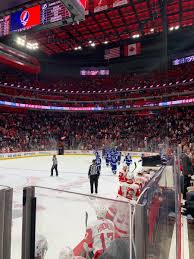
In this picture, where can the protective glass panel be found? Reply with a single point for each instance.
(17, 212)
(82, 225)
(158, 219)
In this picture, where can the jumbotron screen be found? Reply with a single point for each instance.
(25, 19)
(38, 15)
(4, 26)
(94, 71)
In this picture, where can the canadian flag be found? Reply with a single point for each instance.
(132, 49)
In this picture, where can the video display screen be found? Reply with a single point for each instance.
(4, 26)
(54, 12)
(183, 60)
(25, 19)
(94, 71)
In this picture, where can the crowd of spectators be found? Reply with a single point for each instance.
(35, 130)
(178, 79)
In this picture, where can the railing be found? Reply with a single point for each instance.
(149, 228)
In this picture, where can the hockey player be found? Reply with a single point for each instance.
(128, 160)
(99, 234)
(123, 174)
(96, 153)
(118, 213)
(98, 162)
(108, 158)
(119, 157)
(41, 247)
(129, 190)
(141, 179)
(114, 164)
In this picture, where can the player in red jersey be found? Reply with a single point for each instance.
(123, 174)
(140, 178)
(128, 188)
(118, 213)
(99, 234)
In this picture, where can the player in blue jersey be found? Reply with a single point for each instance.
(98, 162)
(114, 164)
(128, 160)
(96, 153)
(108, 158)
(119, 157)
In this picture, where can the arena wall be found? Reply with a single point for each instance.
(4, 156)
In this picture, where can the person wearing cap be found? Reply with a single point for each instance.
(93, 175)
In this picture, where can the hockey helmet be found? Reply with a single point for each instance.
(66, 253)
(41, 246)
(101, 212)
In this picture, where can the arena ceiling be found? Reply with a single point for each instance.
(137, 17)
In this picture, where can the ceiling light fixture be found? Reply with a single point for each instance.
(135, 36)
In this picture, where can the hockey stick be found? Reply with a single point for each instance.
(86, 219)
(89, 254)
(134, 169)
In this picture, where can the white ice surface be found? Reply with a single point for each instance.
(60, 216)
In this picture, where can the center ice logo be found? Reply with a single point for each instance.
(24, 17)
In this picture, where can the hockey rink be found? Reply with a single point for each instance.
(60, 216)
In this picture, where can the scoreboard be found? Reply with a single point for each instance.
(41, 15)
(54, 12)
(4, 26)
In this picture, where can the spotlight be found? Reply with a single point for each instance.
(93, 44)
(105, 42)
(20, 41)
(135, 36)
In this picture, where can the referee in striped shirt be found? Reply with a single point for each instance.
(93, 175)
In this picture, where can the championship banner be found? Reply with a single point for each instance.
(101, 5)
